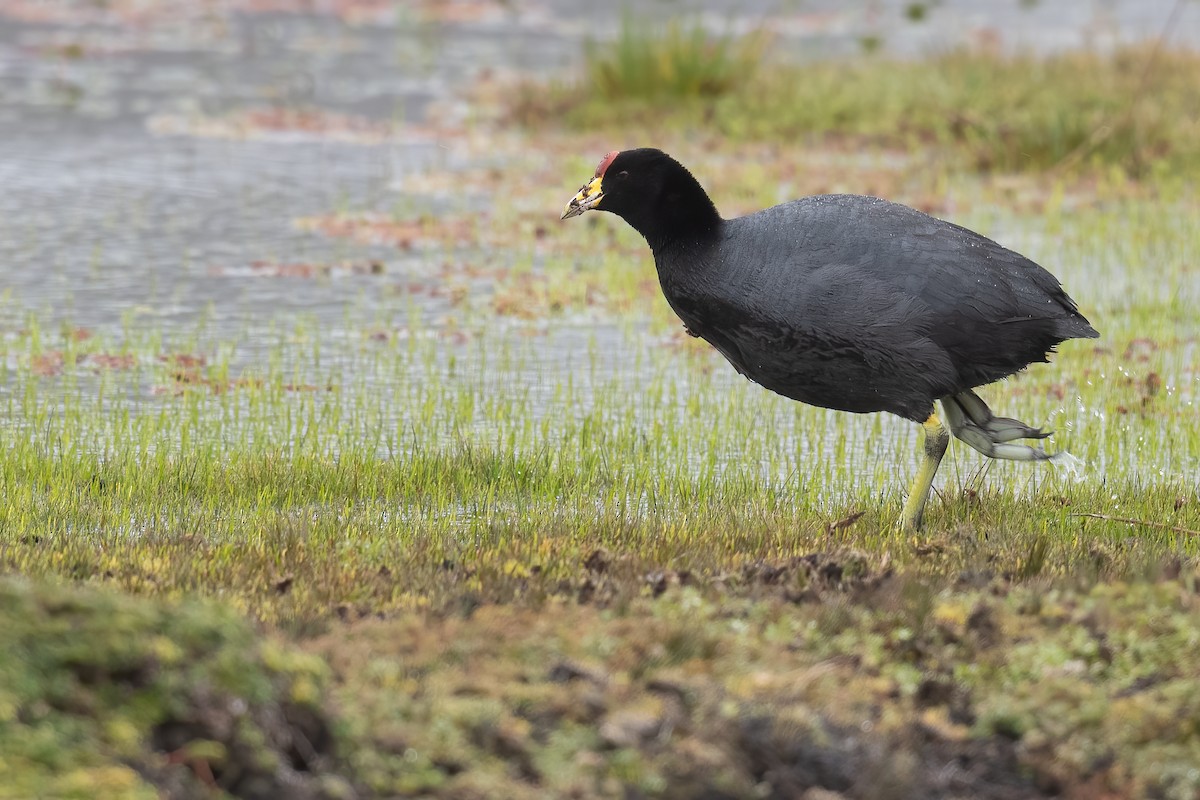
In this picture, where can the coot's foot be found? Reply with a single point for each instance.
(973, 422)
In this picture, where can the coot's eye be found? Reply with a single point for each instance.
(623, 174)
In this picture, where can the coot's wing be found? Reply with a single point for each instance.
(991, 310)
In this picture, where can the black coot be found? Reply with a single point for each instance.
(848, 302)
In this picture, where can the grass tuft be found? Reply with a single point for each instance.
(676, 61)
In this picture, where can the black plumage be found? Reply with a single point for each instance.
(844, 301)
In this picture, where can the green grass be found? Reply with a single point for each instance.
(1135, 111)
(669, 63)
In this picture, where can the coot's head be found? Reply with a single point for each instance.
(651, 191)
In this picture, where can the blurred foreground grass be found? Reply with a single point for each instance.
(105, 696)
(826, 675)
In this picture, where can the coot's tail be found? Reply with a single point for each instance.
(1076, 327)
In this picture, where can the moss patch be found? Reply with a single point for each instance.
(103, 695)
(888, 687)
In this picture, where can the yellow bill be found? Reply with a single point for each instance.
(587, 198)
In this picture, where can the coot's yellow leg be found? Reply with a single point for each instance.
(936, 438)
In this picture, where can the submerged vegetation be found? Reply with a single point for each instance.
(406, 472)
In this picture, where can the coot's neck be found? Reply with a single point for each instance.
(681, 217)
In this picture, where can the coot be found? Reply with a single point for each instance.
(848, 302)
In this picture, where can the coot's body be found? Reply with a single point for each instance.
(848, 302)
(858, 304)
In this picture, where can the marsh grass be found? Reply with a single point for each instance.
(402, 460)
(337, 471)
(671, 62)
(1134, 111)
